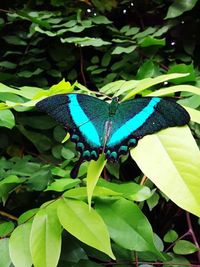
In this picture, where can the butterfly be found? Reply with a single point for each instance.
(96, 126)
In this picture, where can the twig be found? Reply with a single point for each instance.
(190, 229)
(5, 214)
(143, 181)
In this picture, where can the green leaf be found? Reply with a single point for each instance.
(14, 40)
(84, 224)
(7, 119)
(151, 41)
(85, 41)
(60, 185)
(148, 82)
(183, 68)
(95, 169)
(179, 7)
(8, 65)
(194, 114)
(100, 20)
(45, 240)
(176, 88)
(42, 142)
(129, 190)
(127, 225)
(81, 192)
(170, 236)
(28, 74)
(177, 150)
(176, 261)
(6, 228)
(4, 253)
(146, 70)
(184, 247)
(19, 246)
(27, 216)
(153, 201)
(120, 49)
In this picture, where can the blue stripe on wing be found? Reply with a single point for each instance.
(81, 120)
(134, 123)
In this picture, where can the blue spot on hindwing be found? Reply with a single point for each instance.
(134, 123)
(82, 121)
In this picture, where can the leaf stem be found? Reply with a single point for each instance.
(10, 216)
(191, 231)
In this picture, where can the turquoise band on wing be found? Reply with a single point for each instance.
(134, 123)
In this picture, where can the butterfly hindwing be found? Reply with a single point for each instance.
(139, 117)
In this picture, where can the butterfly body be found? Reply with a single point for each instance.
(96, 126)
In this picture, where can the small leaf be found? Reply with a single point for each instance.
(7, 119)
(129, 190)
(153, 201)
(119, 50)
(170, 236)
(19, 246)
(100, 20)
(183, 68)
(59, 87)
(85, 41)
(151, 41)
(60, 185)
(6, 228)
(95, 169)
(179, 7)
(85, 225)
(184, 247)
(14, 40)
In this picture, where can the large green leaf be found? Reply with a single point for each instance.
(19, 246)
(148, 82)
(127, 225)
(45, 241)
(84, 224)
(176, 88)
(4, 253)
(171, 159)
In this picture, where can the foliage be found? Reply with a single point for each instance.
(123, 48)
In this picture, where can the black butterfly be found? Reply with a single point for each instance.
(112, 128)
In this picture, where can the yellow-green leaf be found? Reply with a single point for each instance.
(84, 224)
(171, 159)
(19, 246)
(45, 241)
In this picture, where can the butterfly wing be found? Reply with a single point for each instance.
(139, 117)
(84, 117)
